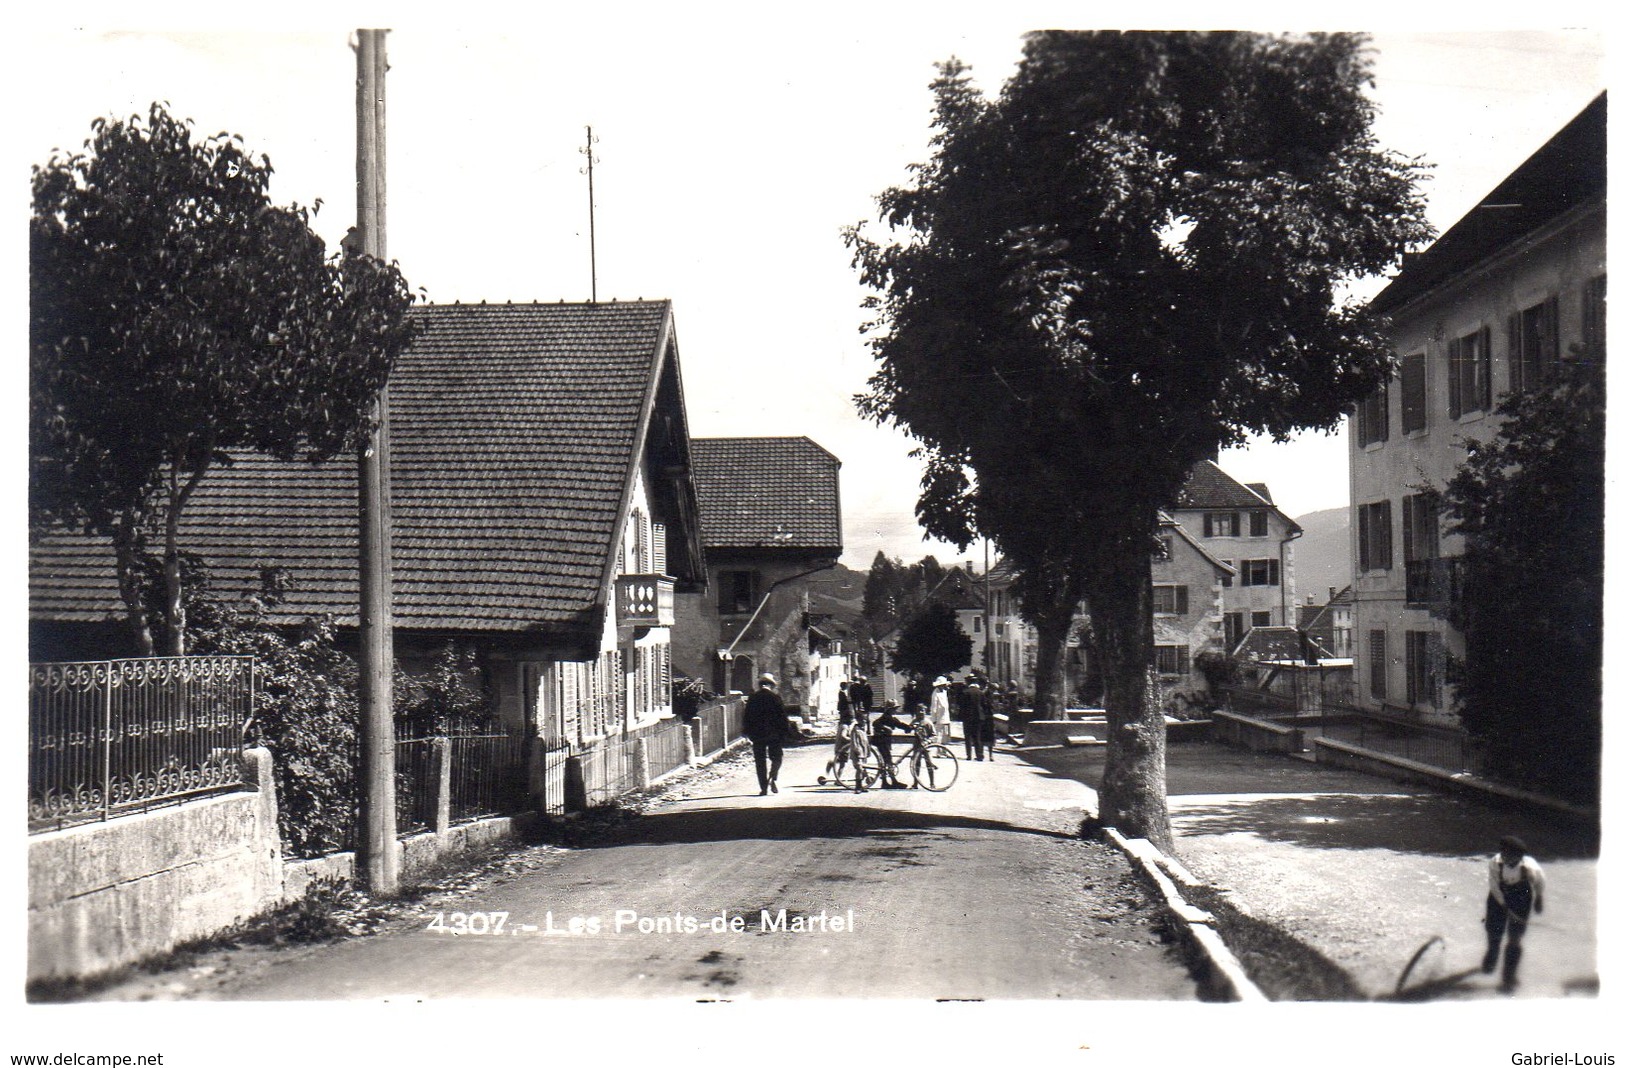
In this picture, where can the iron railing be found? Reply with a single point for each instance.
(110, 736)
(1439, 747)
(489, 776)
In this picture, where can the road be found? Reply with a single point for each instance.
(1366, 870)
(981, 892)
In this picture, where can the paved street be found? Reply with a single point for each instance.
(982, 892)
(1366, 870)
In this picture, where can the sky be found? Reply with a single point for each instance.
(730, 153)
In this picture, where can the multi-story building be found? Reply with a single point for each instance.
(1242, 527)
(1486, 310)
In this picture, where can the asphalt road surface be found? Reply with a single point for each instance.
(980, 892)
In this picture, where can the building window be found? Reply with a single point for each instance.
(1221, 524)
(1376, 521)
(1422, 674)
(1173, 659)
(1470, 373)
(1261, 619)
(1532, 344)
(1226, 579)
(1371, 418)
(737, 591)
(1265, 572)
(1235, 629)
(1413, 393)
(1258, 524)
(1378, 644)
(976, 624)
(1170, 600)
(1419, 536)
(1594, 317)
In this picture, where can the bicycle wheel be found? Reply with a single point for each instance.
(934, 768)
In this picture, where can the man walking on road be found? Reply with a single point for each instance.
(1516, 885)
(767, 725)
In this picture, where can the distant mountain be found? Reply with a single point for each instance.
(837, 592)
(1321, 557)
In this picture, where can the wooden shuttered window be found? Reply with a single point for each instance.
(1594, 317)
(1376, 536)
(1469, 367)
(1371, 418)
(1532, 344)
(1413, 393)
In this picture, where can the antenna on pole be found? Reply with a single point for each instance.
(592, 213)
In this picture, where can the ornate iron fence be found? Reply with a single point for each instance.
(111, 736)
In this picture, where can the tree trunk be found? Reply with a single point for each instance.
(1133, 788)
(174, 594)
(125, 553)
(1049, 600)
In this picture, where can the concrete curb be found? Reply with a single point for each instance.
(1196, 925)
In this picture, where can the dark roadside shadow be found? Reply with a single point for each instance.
(1424, 824)
(1330, 808)
(671, 825)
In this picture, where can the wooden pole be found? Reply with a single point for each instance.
(380, 861)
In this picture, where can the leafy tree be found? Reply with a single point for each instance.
(1125, 261)
(1530, 503)
(882, 591)
(177, 315)
(932, 643)
(306, 709)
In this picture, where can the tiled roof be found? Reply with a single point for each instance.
(512, 435)
(1567, 171)
(767, 493)
(1207, 486)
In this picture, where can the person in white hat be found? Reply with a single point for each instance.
(767, 725)
(940, 723)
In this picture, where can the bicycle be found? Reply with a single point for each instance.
(931, 764)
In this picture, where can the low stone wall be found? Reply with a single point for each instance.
(1057, 731)
(104, 895)
(1259, 735)
(1337, 754)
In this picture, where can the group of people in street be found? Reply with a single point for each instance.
(983, 709)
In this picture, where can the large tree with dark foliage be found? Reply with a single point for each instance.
(176, 316)
(1125, 261)
(932, 643)
(1530, 502)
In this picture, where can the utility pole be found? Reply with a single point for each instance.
(592, 215)
(987, 608)
(380, 863)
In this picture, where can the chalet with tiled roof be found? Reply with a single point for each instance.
(770, 515)
(542, 494)
(1242, 526)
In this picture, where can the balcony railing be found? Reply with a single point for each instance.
(645, 601)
